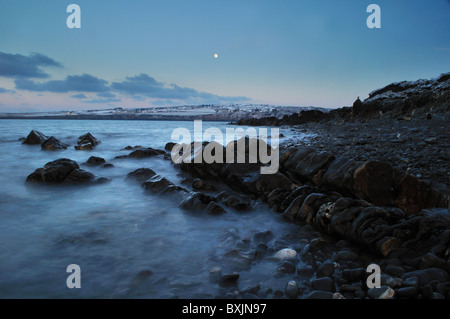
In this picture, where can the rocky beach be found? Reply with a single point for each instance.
(369, 184)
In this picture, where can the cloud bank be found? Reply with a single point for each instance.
(24, 70)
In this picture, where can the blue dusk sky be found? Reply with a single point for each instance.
(145, 53)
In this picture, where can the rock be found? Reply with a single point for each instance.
(53, 172)
(292, 290)
(145, 152)
(169, 146)
(325, 270)
(53, 144)
(313, 166)
(383, 292)
(132, 148)
(427, 292)
(286, 253)
(95, 161)
(306, 271)
(229, 279)
(431, 260)
(354, 275)
(431, 140)
(263, 237)
(351, 288)
(141, 174)
(286, 267)
(200, 184)
(159, 184)
(237, 260)
(79, 176)
(196, 201)
(86, 142)
(253, 290)
(339, 175)
(291, 212)
(394, 270)
(215, 274)
(346, 255)
(323, 284)
(235, 203)
(407, 292)
(320, 295)
(215, 209)
(427, 275)
(337, 295)
(375, 182)
(35, 137)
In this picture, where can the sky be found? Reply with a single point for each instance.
(145, 53)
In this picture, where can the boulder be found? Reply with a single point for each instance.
(53, 144)
(86, 142)
(95, 161)
(141, 175)
(53, 172)
(35, 137)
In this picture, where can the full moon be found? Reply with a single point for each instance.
(216, 55)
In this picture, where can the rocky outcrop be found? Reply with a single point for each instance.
(65, 171)
(35, 137)
(53, 144)
(143, 153)
(86, 142)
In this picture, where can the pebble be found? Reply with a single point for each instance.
(325, 270)
(383, 292)
(323, 284)
(292, 290)
(285, 253)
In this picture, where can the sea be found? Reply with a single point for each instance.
(127, 243)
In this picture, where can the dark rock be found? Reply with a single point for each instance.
(141, 174)
(200, 184)
(95, 161)
(324, 284)
(236, 203)
(107, 165)
(313, 166)
(376, 182)
(79, 176)
(394, 270)
(53, 172)
(306, 271)
(286, 267)
(325, 270)
(346, 255)
(263, 237)
(35, 137)
(427, 275)
(431, 260)
(253, 289)
(215, 209)
(169, 146)
(229, 279)
(145, 152)
(86, 142)
(53, 144)
(196, 201)
(407, 292)
(351, 288)
(427, 292)
(159, 184)
(292, 290)
(354, 275)
(132, 148)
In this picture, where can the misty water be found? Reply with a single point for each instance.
(115, 231)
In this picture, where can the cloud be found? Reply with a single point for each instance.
(106, 94)
(145, 85)
(102, 100)
(2, 90)
(72, 83)
(79, 96)
(20, 66)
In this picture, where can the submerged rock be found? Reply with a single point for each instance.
(95, 161)
(35, 137)
(53, 144)
(65, 171)
(86, 142)
(141, 175)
